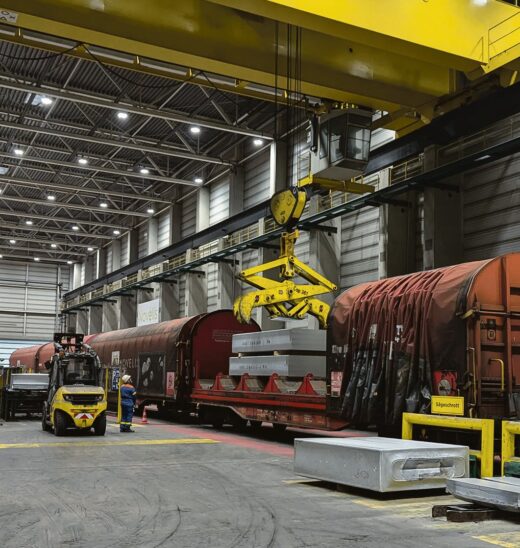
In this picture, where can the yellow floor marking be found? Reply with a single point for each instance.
(116, 425)
(105, 443)
(506, 540)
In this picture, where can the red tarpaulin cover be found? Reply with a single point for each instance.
(388, 336)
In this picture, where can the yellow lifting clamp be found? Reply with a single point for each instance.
(284, 297)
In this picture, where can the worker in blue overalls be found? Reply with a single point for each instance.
(127, 404)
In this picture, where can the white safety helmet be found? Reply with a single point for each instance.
(126, 378)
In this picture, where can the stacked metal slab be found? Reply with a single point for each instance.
(500, 492)
(287, 352)
(380, 464)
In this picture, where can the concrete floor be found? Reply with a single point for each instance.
(190, 486)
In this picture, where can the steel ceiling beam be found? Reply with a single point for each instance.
(150, 112)
(25, 215)
(140, 147)
(42, 250)
(81, 207)
(35, 228)
(78, 189)
(31, 259)
(43, 242)
(100, 169)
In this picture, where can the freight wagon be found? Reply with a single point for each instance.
(391, 345)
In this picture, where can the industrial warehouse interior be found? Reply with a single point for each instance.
(259, 273)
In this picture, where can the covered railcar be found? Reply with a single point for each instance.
(394, 343)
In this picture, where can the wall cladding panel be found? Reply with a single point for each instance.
(125, 243)
(163, 230)
(256, 179)
(219, 201)
(359, 247)
(212, 281)
(491, 201)
(28, 297)
(189, 216)
(110, 252)
(142, 241)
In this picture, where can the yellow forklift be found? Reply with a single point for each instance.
(76, 397)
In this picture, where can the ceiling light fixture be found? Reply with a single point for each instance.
(150, 211)
(69, 262)
(82, 161)
(28, 223)
(18, 151)
(258, 142)
(103, 205)
(75, 227)
(90, 249)
(198, 180)
(46, 101)
(122, 115)
(54, 246)
(144, 171)
(51, 197)
(1, 256)
(36, 259)
(195, 130)
(12, 242)
(117, 232)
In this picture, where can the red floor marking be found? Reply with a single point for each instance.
(271, 447)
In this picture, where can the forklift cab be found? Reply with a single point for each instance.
(76, 397)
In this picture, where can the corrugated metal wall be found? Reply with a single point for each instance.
(212, 281)
(8, 346)
(256, 175)
(189, 216)
(125, 243)
(359, 247)
(29, 295)
(419, 232)
(110, 252)
(182, 293)
(163, 230)
(142, 241)
(491, 200)
(219, 201)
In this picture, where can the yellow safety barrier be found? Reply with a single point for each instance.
(510, 429)
(485, 426)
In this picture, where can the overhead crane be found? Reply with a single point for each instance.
(412, 59)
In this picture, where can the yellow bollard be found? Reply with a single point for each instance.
(119, 411)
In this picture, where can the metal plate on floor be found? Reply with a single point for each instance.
(502, 493)
(380, 464)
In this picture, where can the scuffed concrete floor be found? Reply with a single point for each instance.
(190, 486)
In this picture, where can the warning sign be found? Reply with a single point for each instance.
(448, 405)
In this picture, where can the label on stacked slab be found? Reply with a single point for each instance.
(293, 340)
(286, 366)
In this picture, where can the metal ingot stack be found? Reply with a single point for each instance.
(287, 352)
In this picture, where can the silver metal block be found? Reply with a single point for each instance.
(380, 464)
(502, 493)
(286, 366)
(296, 339)
(29, 381)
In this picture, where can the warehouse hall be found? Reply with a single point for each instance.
(259, 273)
